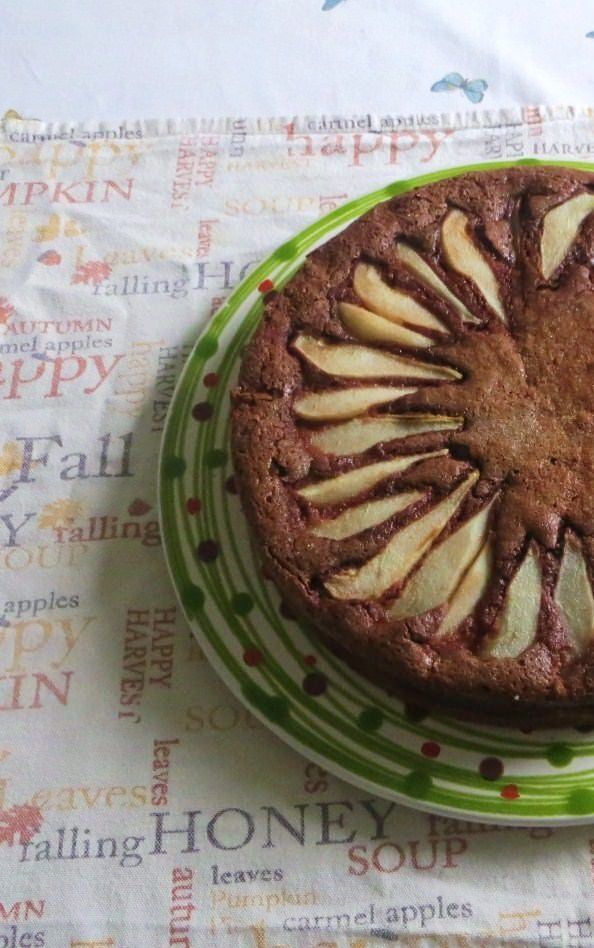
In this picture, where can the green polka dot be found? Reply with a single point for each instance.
(192, 598)
(274, 707)
(580, 802)
(173, 466)
(242, 603)
(370, 719)
(287, 251)
(207, 347)
(418, 784)
(216, 457)
(560, 755)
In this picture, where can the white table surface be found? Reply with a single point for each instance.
(85, 59)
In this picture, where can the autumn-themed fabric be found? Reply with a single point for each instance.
(140, 804)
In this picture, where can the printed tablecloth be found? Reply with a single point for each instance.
(140, 805)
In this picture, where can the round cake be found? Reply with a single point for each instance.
(413, 434)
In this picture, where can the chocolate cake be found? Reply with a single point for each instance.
(413, 433)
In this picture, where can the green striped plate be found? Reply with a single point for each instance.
(302, 692)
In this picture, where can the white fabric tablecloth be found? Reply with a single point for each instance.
(110, 716)
(109, 60)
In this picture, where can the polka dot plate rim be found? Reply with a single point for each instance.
(274, 665)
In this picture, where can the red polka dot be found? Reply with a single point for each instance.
(315, 684)
(431, 749)
(202, 411)
(510, 792)
(310, 659)
(208, 550)
(193, 505)
(266, 286)
(231, 484)
(211, 379)
(252, 656)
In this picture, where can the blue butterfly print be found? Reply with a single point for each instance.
(473, 89)
(330, 4)
(590, 35)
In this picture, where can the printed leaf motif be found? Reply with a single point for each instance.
(6, 310)
(11, 458)
(93, 272)
(48, 231)
(22, 821)
(60, 513)
(51, 258)
(139, 507)
(57, 224)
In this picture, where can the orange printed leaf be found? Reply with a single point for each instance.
(22, 820)
(95, 272)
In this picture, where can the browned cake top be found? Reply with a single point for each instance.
(413, 435)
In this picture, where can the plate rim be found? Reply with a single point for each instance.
(297, 247)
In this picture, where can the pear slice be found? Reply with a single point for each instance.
(519, 621)
(342, 403)
(367, 326)
(394, 304)
(573, 594)
(401, 553)
(443, 569)
(560, 229)
(356, 362)
(414, 261)
(356, 436)
(344, 486)
(463, 255)
(470, 591)
(365, 515)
